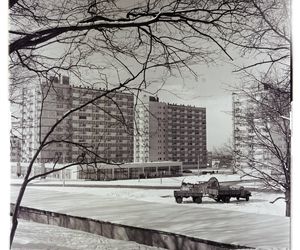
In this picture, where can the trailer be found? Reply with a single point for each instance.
(211, 189)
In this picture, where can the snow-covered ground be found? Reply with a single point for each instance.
(170, 181)
(259, 201)
(129, 205)
(31, 235)
(35, 236)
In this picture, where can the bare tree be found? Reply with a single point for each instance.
(263, 139)
(266, 37)
(224, 154)
(107, 44)
(267, 87)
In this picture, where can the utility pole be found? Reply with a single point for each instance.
(63, 177)
(160, 177)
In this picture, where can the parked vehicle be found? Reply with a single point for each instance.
(211, 189)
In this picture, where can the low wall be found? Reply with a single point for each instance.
(122, 232)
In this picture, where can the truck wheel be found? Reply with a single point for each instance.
(178, 199)
(226, 199)
(238, 198)
(247, 198)
(223, 199)
(198, 200)
(218, 199)
(194, 199)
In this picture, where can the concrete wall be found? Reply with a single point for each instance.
(122, 232)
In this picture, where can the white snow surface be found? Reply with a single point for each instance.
(170, 181)
(259, 202)
(35, 236)
(32, 236)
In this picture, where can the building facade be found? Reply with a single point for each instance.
(131, 171)
(104, 126)
(243, 134)
(253, 135)
(170, 132)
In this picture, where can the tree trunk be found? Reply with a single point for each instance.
(18, 203)
(16, 213)
(287, 203)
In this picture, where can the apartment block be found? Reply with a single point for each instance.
(170, 132)
(251, 133)
(104, 126)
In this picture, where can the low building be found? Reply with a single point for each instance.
(15, 148)
(20, 170)
(130, 171)
(102, 172)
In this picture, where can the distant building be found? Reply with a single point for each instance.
(249, 150)
(170, 132)
(215, 163)
(209, 158)
(243, 133)
(107, 172)
(106, 126)
(221, 160)
(131, 171)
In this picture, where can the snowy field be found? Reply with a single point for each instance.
(32, 236)
(170, 181)
(259, 201)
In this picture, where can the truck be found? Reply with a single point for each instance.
(211, 189)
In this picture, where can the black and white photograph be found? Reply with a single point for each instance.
(149, 124)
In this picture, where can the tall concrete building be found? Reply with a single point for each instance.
(106, 126)
(170, 132)
(243, 134)
(253, 136)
